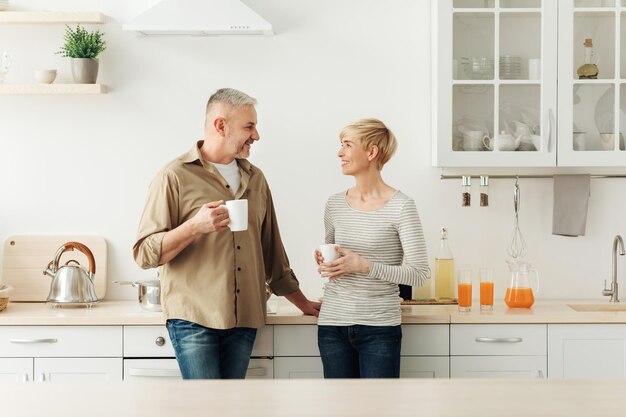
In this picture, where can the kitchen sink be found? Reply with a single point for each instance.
(598, 307)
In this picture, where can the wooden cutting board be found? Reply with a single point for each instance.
(26, 256)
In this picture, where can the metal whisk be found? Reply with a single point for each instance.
(517, 248)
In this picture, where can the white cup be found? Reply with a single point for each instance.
(534, 69)
(328, 251)
(238, 214)
(474, 140)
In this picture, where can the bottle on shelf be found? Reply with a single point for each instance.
(588, 70)
(444, 270)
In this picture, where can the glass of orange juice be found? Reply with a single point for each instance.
(464, 282)
(486, 289)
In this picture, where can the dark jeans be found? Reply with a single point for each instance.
(204, 353)
(360, 351)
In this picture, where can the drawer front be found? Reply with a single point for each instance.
(508, 367)
(152, 370)
(147, 342)
(498, 339)
(298, 367)
(295, 340)
(154, 342)
(264, 342)
(424, 367)
(61, 341)
(425, 340)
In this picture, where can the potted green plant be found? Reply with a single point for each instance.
(83, 48)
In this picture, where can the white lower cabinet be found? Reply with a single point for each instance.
(517, 367)
(498, 351)
(424, 367)
(144, 370)
(61, 353)
(587, 351)
(81, 370)
(425, 350)
(16, 369)
(149, 355)
(298, 367)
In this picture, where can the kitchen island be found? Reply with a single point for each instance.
(321, 398)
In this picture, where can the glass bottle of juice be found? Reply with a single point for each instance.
(444, 270)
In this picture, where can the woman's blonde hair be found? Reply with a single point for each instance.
(372, 132)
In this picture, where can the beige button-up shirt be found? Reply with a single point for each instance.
(217, 281)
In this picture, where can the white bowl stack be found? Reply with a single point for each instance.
(4, 4)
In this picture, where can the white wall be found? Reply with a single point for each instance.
(82, 164)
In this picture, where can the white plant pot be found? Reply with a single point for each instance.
(84, 70)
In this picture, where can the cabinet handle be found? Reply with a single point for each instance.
(160, 341)
(31, 341)
(260, 371)
(42, 377)
(550, 118)
(499, 339)
(540, 374)
(162, 373)
(25, 378)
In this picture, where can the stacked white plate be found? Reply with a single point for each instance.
(510, 67)
(4, 4)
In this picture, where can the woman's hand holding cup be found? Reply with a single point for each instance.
(346, 262)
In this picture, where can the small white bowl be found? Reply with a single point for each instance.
(45, 76)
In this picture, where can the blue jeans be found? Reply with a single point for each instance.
(360, 351)
(204, 353)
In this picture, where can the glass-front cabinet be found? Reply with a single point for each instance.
(592, 83)
(497, 102)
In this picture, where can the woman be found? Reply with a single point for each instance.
(381, 245)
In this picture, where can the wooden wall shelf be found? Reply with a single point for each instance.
(52, 89)
(51, 17)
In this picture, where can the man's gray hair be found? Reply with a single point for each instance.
(230, 96)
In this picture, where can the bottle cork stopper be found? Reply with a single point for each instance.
(588, 42)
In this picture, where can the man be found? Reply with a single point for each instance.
(213, 281)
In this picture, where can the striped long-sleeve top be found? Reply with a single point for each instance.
(392, 239)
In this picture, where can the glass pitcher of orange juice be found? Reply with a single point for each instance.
(520, 293)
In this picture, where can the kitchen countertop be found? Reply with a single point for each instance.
(128, 312)
(328, 398)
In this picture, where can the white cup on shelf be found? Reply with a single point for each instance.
(534, 69)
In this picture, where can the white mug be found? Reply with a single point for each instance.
(238, 214)
(473, 140)
(534, 69)
(328, 251)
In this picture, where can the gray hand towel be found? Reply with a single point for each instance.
(571, 200)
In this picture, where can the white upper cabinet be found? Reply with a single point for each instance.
(591, 111)
(496, 99)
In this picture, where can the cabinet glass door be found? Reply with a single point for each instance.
(591, 83)
(496, 83)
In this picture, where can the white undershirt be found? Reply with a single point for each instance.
(231, 174)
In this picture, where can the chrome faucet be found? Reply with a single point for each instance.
(613, 291)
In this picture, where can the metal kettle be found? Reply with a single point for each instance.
(72, 284)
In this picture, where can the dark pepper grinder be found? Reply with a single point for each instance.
(406, 291)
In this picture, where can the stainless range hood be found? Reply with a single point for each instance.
(199, 18)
